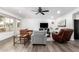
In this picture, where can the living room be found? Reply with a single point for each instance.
(18, 31)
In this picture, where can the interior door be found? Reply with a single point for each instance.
(76, 29)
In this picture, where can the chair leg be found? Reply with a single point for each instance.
(20, 40)
(24, 42)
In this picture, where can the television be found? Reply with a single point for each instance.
(43, 25)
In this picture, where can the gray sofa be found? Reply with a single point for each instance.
(39, 37)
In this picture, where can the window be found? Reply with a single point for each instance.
(8, 24)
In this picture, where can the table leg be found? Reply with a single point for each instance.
(14, 40)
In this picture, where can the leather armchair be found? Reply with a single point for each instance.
(63, 36)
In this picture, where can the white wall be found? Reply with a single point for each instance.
(33, 23)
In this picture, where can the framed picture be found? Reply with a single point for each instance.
(62, 23)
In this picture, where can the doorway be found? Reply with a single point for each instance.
(76, 29)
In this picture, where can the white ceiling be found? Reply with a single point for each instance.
(26, 12)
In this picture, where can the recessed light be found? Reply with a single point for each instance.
(58, 12)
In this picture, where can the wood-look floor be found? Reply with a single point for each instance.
(51, 46)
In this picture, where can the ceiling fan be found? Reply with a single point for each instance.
(40, 10)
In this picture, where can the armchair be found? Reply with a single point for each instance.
(39, 37)
(63, 36)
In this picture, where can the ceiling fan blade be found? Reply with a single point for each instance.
(45, 11)
(42, 13)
